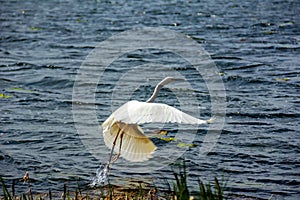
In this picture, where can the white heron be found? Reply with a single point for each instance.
(121, 129)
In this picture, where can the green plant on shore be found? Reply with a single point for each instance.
(180, 187)
(6, 194)
(140, 192)
(110, 191)
(178, 190)
(206, 191)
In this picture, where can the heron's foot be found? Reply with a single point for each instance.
(211, 120)
(115, 158)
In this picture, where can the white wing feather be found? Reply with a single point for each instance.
(136, 146)
(136, 112)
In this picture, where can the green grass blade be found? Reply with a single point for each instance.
(5, 190)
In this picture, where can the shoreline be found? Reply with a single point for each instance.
(112, 192)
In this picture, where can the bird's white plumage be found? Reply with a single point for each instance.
(136, 112)
(121, 128)
(136, 146)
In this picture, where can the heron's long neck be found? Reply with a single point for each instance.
(155, 93)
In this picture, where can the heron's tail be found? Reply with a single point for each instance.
(136, 146)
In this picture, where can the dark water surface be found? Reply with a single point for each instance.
(255, 45)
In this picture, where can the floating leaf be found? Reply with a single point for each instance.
(81, 20)
(160, 132)
(35, 28)
(169, 139)
(282, 79)
(269, 32)
(20, 89)
(163, 132)
(4, 96)
(181, 144)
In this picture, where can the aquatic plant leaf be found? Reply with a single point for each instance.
(167, 139)
(181, 144)
(159, 132)
(282, 79)
(35, 28)
(4, 96)
(20, 89)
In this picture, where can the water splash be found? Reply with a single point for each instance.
(101, 176)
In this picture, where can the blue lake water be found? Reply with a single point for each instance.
(254, 44)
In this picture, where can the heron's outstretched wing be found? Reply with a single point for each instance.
(136, 147)
(136, 112)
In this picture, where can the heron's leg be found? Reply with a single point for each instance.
(113, 147)
(119, 153)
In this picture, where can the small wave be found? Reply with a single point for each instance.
(53, 82)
